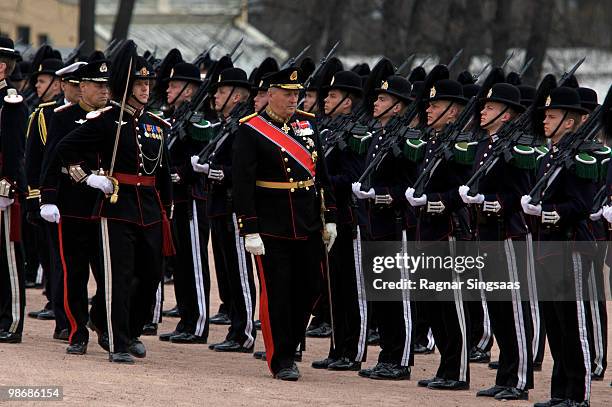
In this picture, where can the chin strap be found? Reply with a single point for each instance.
(442, 114)
(487, 124)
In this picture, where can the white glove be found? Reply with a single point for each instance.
(420, 201)
(5, 202)
(202, 168)
(491, 206)
(435, 207)
(596, 216)
(216, 175)
(529, 209)
(463, 193)
(550, 217)
(607, 213)
(356, 187)
(101, 182)
(329, 235)
(50, 213)
(254, 245)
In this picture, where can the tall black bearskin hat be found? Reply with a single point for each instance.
(418, 74)
(307, 65)
(466, 78)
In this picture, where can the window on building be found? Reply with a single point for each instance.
(23, 34)
(43, 39)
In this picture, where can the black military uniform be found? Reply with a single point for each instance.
(448, 319)
(345, 159)
(191, 274)
(386, 221)
(275, 163)
(13, 120)
(135, 229)
(224, 231)
(48, 246)
(79, 229)
(564, 210)
(499, 219)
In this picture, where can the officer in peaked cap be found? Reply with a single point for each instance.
(191, 273)
(382, 203)
(231, 94)
(281, 211)
(12, 190)
(439, 200)
(48, 89)
(65, 196)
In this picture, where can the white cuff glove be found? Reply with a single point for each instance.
(607, 213)
(100, 182)
(596, 216)
(254, 245)
(5, 202)
(356, 187)
(50, 213)
(420, 201)
(463, 193)
(329, 235)
(201, 168)
(550, 217)
(491, 206)
(529, 209)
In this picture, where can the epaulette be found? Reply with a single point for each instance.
(96, 113)
(523, 157)
(311, 115)
(47, 104)
(247, 118)
(167, 123)
(414, 149)
(465, 152)
(62, 107)
(586, 166)
(12, 96)
(359, 143)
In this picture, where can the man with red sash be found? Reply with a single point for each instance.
(286, 213)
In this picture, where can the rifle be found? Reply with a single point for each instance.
(513, 133)
(291, 61)
(508, 58)
(454, 60)
(186, 113)
(321, 65)
(407, 62)
(198, 60)
(574, 142)
(72, 57)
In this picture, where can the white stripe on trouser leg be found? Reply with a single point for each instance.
(406, 306)
(158, 304)
(39, 274)
(517, 307)
(596, 323)
(108, 283)
(533, 295)
(361, 298)
(431, 342)
(463, 365)
(582, 329)
(486, 321)
(12, 269)
(244, 282)
(196, 256)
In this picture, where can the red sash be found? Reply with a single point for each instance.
(297, 151)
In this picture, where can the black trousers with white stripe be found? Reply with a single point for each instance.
(597, 315)
(12, 284)
(566, 328)
(511, 320)
(239, 279)
(349, 304)
(480, 325)
(192, 275)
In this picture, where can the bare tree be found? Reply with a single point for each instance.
(123, 19)
(537, 43)
(500, 31)
(87, 16)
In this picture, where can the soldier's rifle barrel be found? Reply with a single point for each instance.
(291, 61)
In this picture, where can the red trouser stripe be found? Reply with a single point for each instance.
(73, 324)
(264, 316)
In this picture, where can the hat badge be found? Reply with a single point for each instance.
(385, 85)
(172, 73)
(144, 71)
(293, 76)
(490, 93)
(261, 83)
(548, 101)
(432, 92)
(40, 67)
(219, 80)
(332, 80)
(103, 68)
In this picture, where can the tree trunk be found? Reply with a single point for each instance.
(537, 43)
(500, 31)
(87, 17)
(123, 19)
